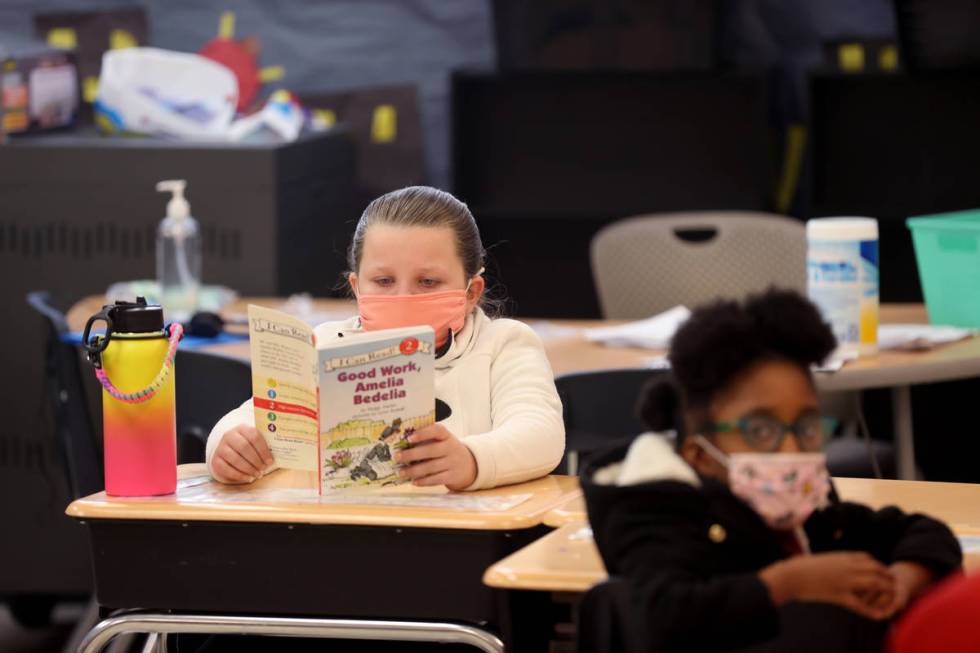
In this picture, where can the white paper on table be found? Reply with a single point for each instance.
(550, 331)
(652, 333)
(919, 336)
(835, 362)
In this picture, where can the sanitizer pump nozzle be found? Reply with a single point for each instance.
(177, 207)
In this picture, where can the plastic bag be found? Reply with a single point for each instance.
(153, 91)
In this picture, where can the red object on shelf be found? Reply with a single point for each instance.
(241, 57)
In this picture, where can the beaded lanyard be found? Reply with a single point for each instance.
(147, 393)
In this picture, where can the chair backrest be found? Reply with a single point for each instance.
(647, 264)
(599, 410)
(74, 428)
(208, 386)
(603, 619)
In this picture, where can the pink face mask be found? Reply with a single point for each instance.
(444, 311)
(783, 488)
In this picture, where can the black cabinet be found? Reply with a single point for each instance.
(79, 212)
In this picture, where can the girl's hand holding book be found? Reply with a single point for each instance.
(242, 456)
(437, 457)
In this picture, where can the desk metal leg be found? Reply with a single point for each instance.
(88, 620)
(163, 624)
(155, 643)
(904, 437)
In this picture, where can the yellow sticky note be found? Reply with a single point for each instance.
(90, 88)
(850, 57)
(120, 39)
(327, 117)
(888, 58)
(384, 124)
(63, 37)
(271, 74)
(226, 25)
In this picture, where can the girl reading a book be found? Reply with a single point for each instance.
(730, 535)
(417, 258)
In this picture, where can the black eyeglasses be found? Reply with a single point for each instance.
(766, 433)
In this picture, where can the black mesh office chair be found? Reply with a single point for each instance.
(599, 410)
(74, 427)
(77, 458)
(208, 386)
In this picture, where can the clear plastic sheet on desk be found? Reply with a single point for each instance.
(200, 489)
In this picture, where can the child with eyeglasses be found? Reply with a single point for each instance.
(730, 535)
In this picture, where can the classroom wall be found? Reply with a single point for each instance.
(356, 43)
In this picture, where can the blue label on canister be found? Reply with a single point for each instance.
(842, 280)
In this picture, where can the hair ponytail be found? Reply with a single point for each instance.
(659, 405)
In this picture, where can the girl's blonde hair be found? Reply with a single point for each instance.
(422, 206)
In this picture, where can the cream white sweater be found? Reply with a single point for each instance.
(498, 383)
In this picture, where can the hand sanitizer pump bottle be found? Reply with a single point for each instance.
(178, 255)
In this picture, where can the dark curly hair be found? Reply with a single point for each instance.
(725, 338)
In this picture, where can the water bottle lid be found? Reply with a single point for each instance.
(136, 317)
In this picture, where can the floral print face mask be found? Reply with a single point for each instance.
(783, 488)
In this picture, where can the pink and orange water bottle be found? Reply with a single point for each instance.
(134, 362)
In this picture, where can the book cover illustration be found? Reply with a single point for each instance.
(376, 389)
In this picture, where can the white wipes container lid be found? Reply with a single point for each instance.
(845, 228)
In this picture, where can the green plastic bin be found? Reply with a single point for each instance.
(947, 250)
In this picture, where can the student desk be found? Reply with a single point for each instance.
(566, 560)
(230, 563)
(571, 512)
(569, 351)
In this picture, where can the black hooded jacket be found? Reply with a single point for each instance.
(691, 555)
